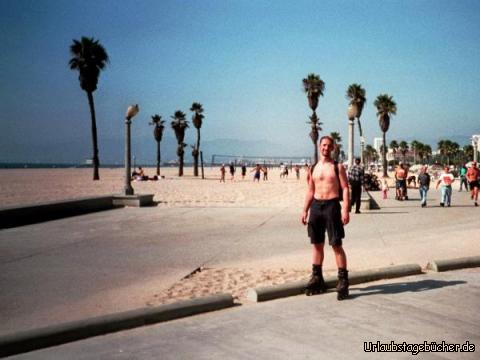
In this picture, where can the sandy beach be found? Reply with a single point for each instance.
(27, 186)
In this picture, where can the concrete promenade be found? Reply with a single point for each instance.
(112, 261)
(429, 308)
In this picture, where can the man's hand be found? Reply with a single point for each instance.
(304, 217)
(345, 216)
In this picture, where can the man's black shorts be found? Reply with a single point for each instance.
(473, 184)
(326, 215)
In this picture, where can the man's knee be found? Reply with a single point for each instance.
(338, 248)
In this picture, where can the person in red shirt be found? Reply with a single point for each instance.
(473, 175)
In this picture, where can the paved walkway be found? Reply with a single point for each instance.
(112, 261)
(434, 307)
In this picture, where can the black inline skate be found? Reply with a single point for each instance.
(342, 285)
(316, 284)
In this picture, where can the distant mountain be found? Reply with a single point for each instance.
(111, 151)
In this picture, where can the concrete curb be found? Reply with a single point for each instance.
(296, 288)
(26, 341)
(453, 264)
(30, 214)
(13, 216)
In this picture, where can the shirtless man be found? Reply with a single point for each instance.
(473, 175)
(401, 181)
(326, 214)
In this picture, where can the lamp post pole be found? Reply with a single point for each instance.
(131, 112)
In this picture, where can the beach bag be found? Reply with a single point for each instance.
(340, 189)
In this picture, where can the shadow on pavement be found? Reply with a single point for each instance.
(397, 288)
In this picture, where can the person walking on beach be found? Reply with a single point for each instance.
(473, 177)
(232, 171)
(265, 173)
(463, 177)
(446, 180)
(423, 185)
(356, 176)
(400, 181)
(222, 173)
(256, 175)
(322, 212)
(297, 171)
(384, 188)
(244, 171)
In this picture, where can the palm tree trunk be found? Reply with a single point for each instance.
(158, 158)
(180, 167)
(384, 156)
(96, 161)
(197, 152)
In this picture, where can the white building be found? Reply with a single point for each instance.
(377, 144)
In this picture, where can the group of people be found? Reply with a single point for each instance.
(327, 206)
(469, 178)
(139, 175)
(258, 170)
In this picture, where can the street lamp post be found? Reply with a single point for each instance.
(131, 112)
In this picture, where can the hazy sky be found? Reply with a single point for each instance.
(244, 61)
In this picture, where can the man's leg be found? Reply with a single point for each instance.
(341, 259)
(340, 256)
(316, 284)
(318, 254)
(359, 198)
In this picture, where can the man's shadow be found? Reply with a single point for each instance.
(402, 287)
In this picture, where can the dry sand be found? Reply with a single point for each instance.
(27, 186)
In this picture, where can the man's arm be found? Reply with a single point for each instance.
(308, 198)
(346, 195)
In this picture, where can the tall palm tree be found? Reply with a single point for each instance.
(158, 134)
(403, 148)
(356, 95)
(197, 122)
(89, 58)
(314, 88)
(179, 125)
(385, 107)
(337, 139)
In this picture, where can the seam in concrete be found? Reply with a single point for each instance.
(35, 339)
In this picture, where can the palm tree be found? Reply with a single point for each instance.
(370, 153)
(179, 125)
(394, 147)
(448, 148)
(414, 145)
(385, 107)
(356, 95)
(314, 87)
(468, 151)
(158, 134)
(89, 58)
(427, 150)
(420, 151)
(337, 139)
(403, 147)
(197, 122)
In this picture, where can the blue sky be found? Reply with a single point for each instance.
(244, 61)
